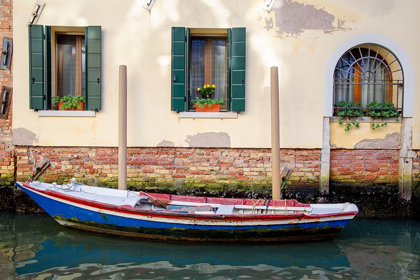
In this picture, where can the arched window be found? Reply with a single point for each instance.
(367, 73)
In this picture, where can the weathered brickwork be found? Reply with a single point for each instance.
(6, 30)
(364, 167)
(170, 166)
(7, 166)
(200, 167)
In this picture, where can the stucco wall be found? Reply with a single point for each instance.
(296, 36)
(387, 137)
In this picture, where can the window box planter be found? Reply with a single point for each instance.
(208, 108)
(79, 104)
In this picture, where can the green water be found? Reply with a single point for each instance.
(36, 247)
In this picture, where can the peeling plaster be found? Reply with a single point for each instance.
(166, 143)
(23, 137)
(209, 139)
(391, 141)
(290, 18)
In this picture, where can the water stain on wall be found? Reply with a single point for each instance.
(166, 143)
(23, 137)
(391, 141)
(209, 139)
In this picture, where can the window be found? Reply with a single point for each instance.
(368, 73)
(71, 69)
(64, 61)
(208, 56)
(208, 64)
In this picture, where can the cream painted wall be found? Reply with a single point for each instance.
(141, 40)
(383, 137)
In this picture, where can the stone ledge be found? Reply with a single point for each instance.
(65, 113)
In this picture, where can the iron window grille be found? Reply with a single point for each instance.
(365, 74)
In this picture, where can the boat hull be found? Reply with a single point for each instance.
(295, 234)
(105, 219)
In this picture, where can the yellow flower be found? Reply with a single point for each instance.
(198, 89)
(208, 85)
(213, 86)
(204, 86)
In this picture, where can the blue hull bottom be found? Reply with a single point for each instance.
(87, 220)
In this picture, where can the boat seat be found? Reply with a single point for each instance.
(225, 209)
(133, 200)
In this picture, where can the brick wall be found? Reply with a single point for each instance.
(364, 167)
(6, 149)
(6, 30)
(153, 167)
(156, 167)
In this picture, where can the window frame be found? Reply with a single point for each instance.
(41, 67)
(57, 31)
(356, 87)
(236, 50)
(208, 65)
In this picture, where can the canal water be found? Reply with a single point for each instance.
(36, 247)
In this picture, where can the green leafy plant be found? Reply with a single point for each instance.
(56, 99)
(379, 112)
(69, 102)
(348, 113)
(203, 102)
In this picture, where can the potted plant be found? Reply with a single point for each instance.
(348, 114)
(206, 103)
(69, 102)
(207, 91)
(380, 112)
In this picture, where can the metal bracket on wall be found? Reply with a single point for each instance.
(5, 99)
(268, 5)
(36, 12)
(6, 53)
(148, 4)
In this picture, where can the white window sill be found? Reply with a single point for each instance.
(65, 113)
(201, 115)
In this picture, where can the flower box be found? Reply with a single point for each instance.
(211, 108)
(81, 104)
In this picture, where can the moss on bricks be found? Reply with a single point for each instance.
(7, 181)
(416, 189)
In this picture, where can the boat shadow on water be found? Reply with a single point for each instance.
(36, 246)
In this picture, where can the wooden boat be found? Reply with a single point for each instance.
(188, 218)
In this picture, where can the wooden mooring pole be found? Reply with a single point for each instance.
(122, 129)
(275, 134)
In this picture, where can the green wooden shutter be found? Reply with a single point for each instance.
(48, 66)
(237, 63)
(93, 67)
(36, 67)
(187, 72)
(178, 69)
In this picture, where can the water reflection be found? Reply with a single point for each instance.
(34, 246)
